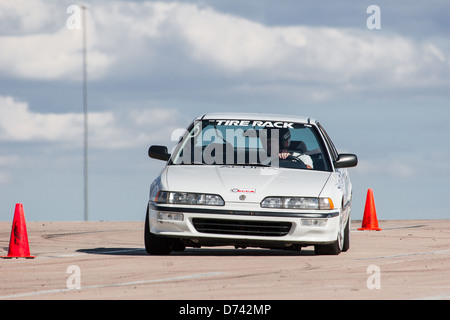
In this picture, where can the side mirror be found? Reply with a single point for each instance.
(346, 161)
(159, 153)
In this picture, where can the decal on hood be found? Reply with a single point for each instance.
(243, 190)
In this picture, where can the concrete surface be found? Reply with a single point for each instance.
(107, 260)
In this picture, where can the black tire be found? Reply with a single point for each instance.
(346, 236)
(334, 248)
(178, 245)
(327, 249)
(154, 245)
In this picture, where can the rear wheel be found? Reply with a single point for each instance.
(154, 245)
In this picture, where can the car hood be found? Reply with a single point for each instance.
(255, 182)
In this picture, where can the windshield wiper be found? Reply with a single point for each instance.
(222, 164)
(254, 165)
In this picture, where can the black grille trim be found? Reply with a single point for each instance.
(242, 227)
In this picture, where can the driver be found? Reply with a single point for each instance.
(284, 143)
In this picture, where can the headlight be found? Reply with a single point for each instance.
(189, 198)
(298, 203)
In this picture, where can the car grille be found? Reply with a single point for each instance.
(242, 227)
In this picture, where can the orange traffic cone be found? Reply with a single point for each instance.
(370, 221)
(18, 244)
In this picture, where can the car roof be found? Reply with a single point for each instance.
(256, 116)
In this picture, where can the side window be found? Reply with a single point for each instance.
(331, 147)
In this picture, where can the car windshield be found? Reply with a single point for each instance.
(252, 142)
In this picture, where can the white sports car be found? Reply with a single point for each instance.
(251, 180)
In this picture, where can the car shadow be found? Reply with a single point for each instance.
(241, 252)
(115, 251)
(200, 252)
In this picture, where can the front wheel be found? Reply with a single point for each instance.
(154, 245)
(341, 244)
(346, 245)
(327, 249)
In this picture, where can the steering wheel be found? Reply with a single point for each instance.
(293, 162)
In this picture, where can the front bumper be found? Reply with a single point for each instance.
(228, 225)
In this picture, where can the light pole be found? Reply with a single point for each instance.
(85, 110)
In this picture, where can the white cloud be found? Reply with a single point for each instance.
(237, 46)
(40, 46)
(126, 36)
(18, 123)
(49, 56)
(233, 44)
(106, 129)
(322, 55)
(25, 16)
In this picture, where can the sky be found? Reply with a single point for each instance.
(153, 66)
